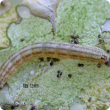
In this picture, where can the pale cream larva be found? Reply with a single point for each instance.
(54, 50)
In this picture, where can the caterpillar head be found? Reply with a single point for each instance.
(108, 62)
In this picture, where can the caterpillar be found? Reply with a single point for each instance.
(54, 50)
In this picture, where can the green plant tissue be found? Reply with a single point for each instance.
(77, 17)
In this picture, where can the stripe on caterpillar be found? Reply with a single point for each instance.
(50, 49)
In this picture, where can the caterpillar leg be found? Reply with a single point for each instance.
(98, 65)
